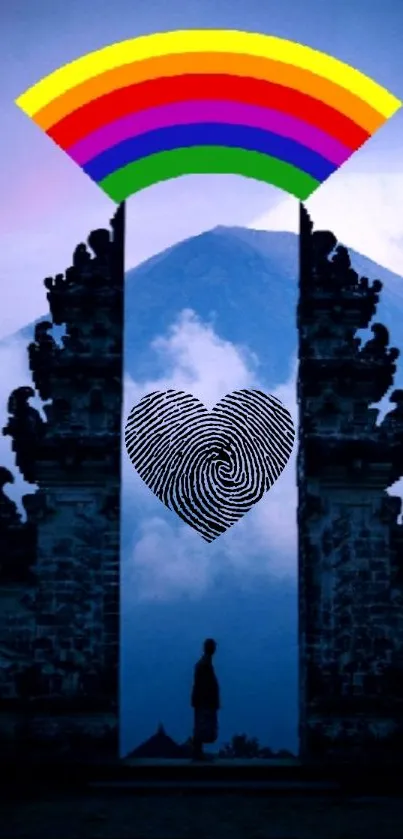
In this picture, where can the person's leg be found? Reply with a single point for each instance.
(197, 749)
(197, 743)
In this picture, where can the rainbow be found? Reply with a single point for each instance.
(208, 101)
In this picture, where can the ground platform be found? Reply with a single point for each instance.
(91, 814)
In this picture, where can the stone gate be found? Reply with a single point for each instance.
(59, 569)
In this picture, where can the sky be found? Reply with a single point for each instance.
(36, 38)
(48, 205)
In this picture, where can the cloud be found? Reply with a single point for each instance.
(364, 211)
(197, 359)
(167, 562)
(168, 559)
(274, 519)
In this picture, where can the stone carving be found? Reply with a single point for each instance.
(26, 427)
(41, 353)
(70, 621)
(17, 538)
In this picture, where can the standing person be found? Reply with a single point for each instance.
(205, 701)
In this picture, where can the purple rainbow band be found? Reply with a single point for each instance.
(184, 113)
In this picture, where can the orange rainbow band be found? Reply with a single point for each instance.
(211, 63)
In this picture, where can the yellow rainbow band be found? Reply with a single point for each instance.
(207, 40)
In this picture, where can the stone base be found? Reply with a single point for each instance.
(353, 739)
(79, 736)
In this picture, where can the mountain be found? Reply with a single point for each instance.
(160, 745)
(235, 279)
(226, 279)
(242, 281)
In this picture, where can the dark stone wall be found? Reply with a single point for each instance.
(59, 572)
(350, 545)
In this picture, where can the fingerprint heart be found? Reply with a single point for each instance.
(210, 467)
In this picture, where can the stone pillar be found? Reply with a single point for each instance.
(350, 577)
(17, 622)
(69, 686)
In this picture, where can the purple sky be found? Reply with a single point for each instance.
(45, 193)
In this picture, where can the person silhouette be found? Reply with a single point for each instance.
(205, 700)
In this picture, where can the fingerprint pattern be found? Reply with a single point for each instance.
(210, 467)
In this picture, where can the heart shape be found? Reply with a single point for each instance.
(209, 467)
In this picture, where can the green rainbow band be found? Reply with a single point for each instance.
(204, 160)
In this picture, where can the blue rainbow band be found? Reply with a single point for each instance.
(209, 134)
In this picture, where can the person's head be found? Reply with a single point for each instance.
(209, 646)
